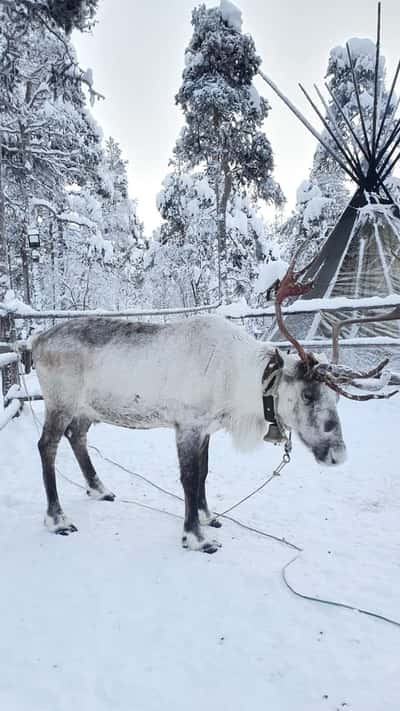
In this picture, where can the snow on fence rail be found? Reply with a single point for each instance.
(234, 311)
(33, 315)
(303, 306)
(360, 341)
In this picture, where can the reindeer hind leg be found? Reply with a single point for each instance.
(76, 434)
(53, 429)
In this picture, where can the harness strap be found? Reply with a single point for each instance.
(276, 430)
(269, 408)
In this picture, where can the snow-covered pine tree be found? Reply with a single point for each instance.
(251, 247)
(122, 226)
(224, 115)
(310, 223)
(339, 80)
(182, 266)
(103, 264)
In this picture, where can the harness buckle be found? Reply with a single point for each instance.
(274, 434)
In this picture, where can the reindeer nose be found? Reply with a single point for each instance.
(338, 454)
(330, 455)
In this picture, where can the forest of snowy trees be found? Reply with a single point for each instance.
(70, 235)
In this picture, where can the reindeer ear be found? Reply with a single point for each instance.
(275, 362)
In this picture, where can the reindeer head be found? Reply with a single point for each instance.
(310, 386)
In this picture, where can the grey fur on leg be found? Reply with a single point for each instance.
(53, 430)
(189, 443)
(205, 516)
(76, 434)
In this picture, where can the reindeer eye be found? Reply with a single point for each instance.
(307, 397)
(330, 425)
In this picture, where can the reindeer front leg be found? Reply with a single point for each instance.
(189, 446)
(206, 518)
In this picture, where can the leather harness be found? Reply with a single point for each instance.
(276, 431)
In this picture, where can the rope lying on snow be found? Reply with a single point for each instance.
(220, 515)
(331, 602)
(295, 592)
(254, 530)
(124, 501)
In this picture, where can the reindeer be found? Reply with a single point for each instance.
(196, 376)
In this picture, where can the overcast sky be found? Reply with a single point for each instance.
(136, 51)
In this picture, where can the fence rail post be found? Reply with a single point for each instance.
(9, 374)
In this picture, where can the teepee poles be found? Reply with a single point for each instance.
(391, 165)
(306, 123)
(357, 92)
(348, 123)
(366, 151)
(330, 114)
(376, 78)
(348, 156)
(391, 144)
(386, 111)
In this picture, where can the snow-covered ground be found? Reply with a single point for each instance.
(118, 617)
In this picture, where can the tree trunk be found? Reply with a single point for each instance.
(224, 177)
(25, 266)
(4, 265)
(53, 266)
(60, 264)
(25, 254)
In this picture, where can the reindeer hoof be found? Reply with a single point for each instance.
(108, 497)
(66, 531)
(100, 495)
(206, 519)
(209, 548)
(59, 524)
(192, 542)
(215, 523)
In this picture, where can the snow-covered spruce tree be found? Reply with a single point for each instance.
(181, 266)
(224, 115)
(122, 226)
(310, 223)
(103, 263)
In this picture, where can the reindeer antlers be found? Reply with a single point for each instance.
(290, 286)
(332, 375)
(335, 376)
